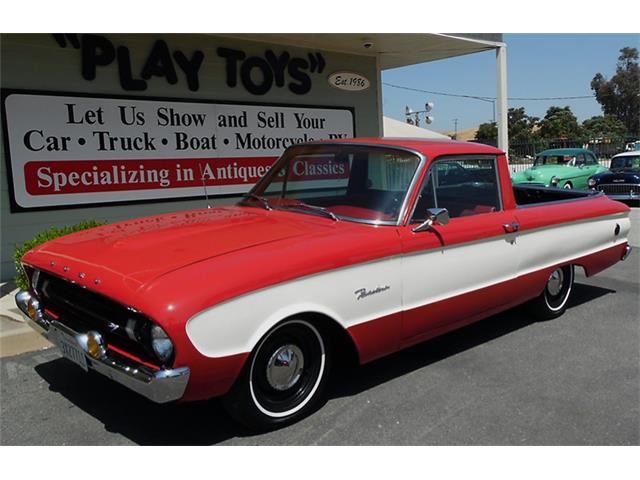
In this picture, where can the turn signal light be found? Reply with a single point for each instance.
(32, 308)
(95, 347)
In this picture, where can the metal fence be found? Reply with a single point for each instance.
(519, 167)
(521, 155)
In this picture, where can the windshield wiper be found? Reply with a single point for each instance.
(315, 208)
(265, 203)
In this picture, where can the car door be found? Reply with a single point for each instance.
(453, 273)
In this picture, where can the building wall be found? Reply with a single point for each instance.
(39, 62)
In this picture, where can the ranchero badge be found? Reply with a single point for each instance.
(364, 293)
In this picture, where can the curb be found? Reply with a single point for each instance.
(8, 308)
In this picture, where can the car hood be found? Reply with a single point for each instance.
(534, 173)
(538, 173)
(618, 176)
(139, 251)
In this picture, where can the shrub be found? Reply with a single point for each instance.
(54, 232)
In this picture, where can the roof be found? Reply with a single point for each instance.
(463, 134)
(564, 151)
(428, 147)
(393, 50)
(396, 128)
(630, 153)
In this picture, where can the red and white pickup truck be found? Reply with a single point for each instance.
(365, 246)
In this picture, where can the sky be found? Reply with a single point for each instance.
(538, 65)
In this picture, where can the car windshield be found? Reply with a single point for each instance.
(553, 160)
(342, 182)
(632, 162)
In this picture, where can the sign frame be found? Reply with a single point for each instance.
(16, 208)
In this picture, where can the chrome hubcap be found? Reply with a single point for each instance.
(285, 367)
(555, 282)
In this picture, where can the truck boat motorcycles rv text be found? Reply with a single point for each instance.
(74, 150)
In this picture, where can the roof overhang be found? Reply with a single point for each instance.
(394, 49)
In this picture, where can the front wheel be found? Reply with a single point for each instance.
(552, 302)
(284, 377)
(568, 185)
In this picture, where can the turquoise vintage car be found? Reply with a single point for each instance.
(560, 167)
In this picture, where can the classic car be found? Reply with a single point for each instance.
(345, 248)
(561, 167)
(623, 181)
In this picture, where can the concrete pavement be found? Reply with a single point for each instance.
(15, 335)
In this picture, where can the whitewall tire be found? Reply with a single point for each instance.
(553, 300)
(284, 377)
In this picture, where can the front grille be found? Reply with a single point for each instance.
(619, 188)
(83, 310)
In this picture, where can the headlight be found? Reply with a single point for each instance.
(591, 182)
(554, 181)
(161, 344)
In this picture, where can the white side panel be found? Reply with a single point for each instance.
(548, 246)
(449, 272)
(237, 325)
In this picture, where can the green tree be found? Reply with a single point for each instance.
(559, 122)
(487, 132)
(608, 126)
(620, 96)
(521, 126)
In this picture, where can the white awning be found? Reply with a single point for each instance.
(393, 49)
(396, 128)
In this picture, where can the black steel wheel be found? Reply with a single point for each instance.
(552, 302)
(284, 377)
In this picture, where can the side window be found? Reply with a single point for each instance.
(463, 185)
(580, 160)
(391, 171)
(591, 159)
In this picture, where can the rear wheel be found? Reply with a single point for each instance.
(568, 185)
(552, 302)
(284, 377)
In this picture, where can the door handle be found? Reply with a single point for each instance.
(511, 227)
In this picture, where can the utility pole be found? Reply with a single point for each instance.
(455, 123)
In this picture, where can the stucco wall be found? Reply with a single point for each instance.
(38, 62)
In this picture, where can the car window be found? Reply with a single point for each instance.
(591, 159)
(632, 162)
(553, 160)
(464, 186)
(351, 182)
(580, 160)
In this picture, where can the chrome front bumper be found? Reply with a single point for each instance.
(161, 386)
(628, 196)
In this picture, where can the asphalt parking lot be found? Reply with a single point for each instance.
(507, 380)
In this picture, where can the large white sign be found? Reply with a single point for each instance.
(68, 150)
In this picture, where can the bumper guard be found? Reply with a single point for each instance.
(161, 386)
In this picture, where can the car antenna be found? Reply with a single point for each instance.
(204, 185)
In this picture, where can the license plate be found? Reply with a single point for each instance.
(70, 349)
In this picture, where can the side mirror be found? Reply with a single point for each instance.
(435, 216)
